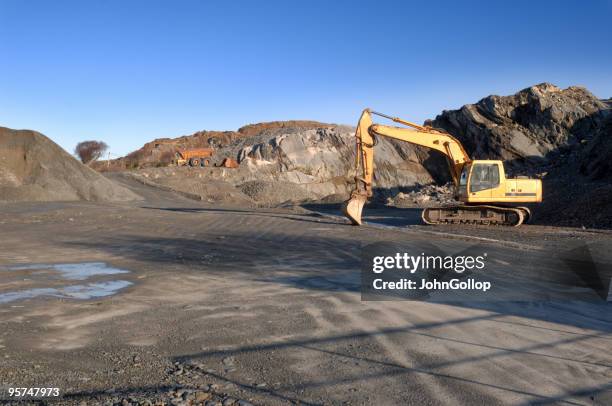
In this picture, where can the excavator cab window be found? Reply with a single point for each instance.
(484, 176)
(464, 175)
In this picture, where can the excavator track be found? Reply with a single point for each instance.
(481, 214)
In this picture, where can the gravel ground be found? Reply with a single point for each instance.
(262, 306)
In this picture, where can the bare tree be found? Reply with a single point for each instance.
(89, 151)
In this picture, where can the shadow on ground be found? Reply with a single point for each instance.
(322, 263)
(390, 369)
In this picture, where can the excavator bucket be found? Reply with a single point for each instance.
(353, 207)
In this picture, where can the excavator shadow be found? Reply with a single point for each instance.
(374, 214)
(310, 218)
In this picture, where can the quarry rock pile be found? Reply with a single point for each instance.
(596, 159)
(323, 159)
(288, 163)
(563, 136)
(560, 135)
(424, 196)
(34, 168)
(529, 129)
(161, 151)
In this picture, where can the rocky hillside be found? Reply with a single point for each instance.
(34, 168)
(596, 159)
(562, 135)
(289, 161)
(161, 151)
(529, 129)
(292, 164)
(327, 154)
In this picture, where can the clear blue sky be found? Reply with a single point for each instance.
(126, 72)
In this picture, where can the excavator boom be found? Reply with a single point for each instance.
(365, 134)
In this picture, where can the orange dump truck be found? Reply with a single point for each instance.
(194, 156)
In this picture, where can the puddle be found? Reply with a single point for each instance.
(55, 280)
(79, 271)
(89, 291)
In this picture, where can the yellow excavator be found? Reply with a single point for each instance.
(486, 195)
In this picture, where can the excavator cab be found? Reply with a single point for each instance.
(485, 182)
(478, 180)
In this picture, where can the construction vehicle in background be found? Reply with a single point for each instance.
(203, 157)
(487, 196)
(194, 156)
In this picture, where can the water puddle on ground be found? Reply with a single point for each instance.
(57, 280)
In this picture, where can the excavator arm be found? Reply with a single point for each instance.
(366, 133)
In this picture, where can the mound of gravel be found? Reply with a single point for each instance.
(425, 196)
(578, 188)
(268, 193)
(34, 168)
(208, 190)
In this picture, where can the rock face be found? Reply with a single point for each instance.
(596, 159)
(289, 163)
(161, 151)
(527, 129)
(565, 136)
(425, 196)
(323, 159)
(34, 168)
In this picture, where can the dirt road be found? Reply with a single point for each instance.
(264, 306)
